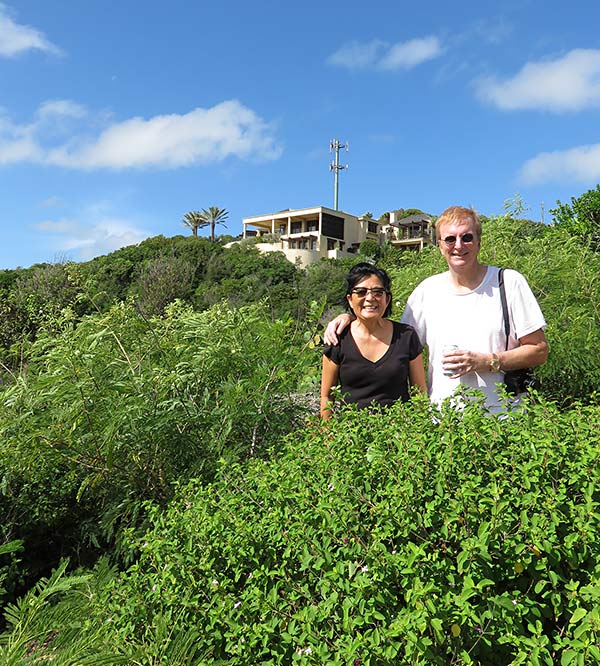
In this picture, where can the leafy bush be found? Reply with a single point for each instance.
(370, 249)
(162, 281)
(242, 275)
(581, 218)
(110, 278)
(7, 570)
(325, 282)
(34, 300)
(383, 539)
(112, 412)
(28, 642)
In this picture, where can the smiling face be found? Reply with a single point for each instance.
(370, 305)
(462, 254)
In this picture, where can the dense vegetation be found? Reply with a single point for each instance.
(581, 218)
(151, 275)
(167, 496)
(383, 539)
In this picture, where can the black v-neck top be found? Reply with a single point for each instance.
(383, 381)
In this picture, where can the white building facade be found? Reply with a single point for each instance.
(308, 235)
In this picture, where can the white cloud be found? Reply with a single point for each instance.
(201, 136)
(407, 55)
(15, 38)
(378, 54)
(62, 108)
(579, 164)
(83, 241)
(569, 83)
(357, 55)
(19, 149)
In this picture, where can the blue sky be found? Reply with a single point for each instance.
(118, 118)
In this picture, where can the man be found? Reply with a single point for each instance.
(458, 316)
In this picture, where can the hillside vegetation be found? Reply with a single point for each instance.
(168, 496)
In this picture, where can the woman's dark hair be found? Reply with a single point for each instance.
(361, 271)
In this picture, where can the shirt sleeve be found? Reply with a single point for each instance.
(413, 314)
(415, 347)
(525, 311)
(332, 352)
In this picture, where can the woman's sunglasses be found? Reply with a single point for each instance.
(378, 292)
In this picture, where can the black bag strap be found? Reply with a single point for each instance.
(504, 305)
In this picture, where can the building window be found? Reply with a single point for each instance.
(282, 228)
(333, 226)
(296, 227)
(331, 243)
(312, 225)
(372, 227)
(313, 243)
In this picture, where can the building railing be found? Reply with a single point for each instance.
(410, 234)
(265, 235)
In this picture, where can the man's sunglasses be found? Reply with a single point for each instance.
(465, 238)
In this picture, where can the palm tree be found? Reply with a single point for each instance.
(194, 220)
(213, 216)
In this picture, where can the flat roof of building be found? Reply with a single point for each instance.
(296, 212)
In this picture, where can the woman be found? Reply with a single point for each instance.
(376, 357)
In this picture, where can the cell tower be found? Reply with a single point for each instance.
(336, 167)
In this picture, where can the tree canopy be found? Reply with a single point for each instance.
(582, 217)
(194, 220)
(212, 217)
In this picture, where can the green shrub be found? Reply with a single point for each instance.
(111, 412)
(8, 569)
(396, 538)
(382, 539)
(370, 249)
(110, 278)
(160, 282)
(242, 275)
(581, 218)
(28, 640)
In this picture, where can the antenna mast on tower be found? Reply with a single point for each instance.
(336, 167)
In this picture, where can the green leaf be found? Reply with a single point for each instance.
(568, 657)
(578, 615)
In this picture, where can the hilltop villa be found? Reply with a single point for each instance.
(307, 235)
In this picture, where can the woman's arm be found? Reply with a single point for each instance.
(416, 373)
(329, 378)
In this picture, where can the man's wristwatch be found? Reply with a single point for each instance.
(495, 363)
